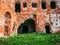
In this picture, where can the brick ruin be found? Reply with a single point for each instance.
(27, 16)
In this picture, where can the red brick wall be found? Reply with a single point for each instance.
(42, 15)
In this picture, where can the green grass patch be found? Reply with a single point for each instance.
(32, 39)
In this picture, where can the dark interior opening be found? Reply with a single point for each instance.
(27, 27)
(53, 4)
(24, 5)
(17, 7)
(34, 5)
(43, 5)
(47, 27)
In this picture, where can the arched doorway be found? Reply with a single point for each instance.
(7, 23)
(27, 27)
(47, 27)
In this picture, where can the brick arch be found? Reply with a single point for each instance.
(7, 26)
(27, 27)
(24, 19)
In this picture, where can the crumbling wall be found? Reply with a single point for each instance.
(41, 16)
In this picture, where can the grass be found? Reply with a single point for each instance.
(32, 39)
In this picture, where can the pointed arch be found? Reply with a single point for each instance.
(7, 23)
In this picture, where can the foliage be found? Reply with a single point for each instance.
(32, 39)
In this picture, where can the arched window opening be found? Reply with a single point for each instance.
(17, 7)
(53, 4)
(43, 5)
(7, 17)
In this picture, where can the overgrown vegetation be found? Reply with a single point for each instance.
(32, 39)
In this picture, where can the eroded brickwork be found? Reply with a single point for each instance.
(42, 17)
